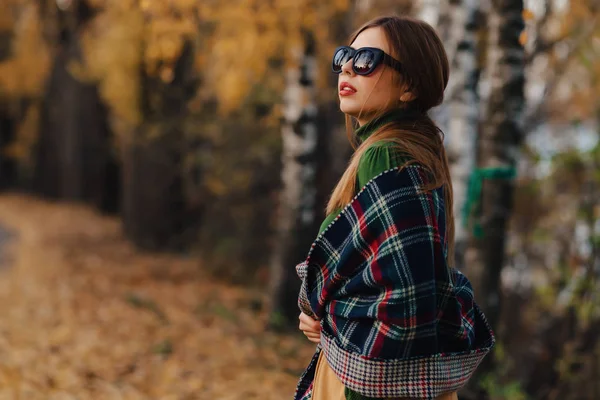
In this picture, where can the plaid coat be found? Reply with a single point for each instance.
(395, 320)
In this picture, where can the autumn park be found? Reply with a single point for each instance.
(165, 164)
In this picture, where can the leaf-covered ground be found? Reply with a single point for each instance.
(83, 315)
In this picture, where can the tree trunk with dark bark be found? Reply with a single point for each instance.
(8, 165)
(156, 213)
(297, 222)
(8, 172)
(74, 157)
(498, 151)
(154, 209)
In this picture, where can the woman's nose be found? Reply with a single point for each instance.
(347, 68)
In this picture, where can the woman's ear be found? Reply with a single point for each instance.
(407, 96)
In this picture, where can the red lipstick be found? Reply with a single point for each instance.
(347, 89)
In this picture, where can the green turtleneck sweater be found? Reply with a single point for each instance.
(378, 158)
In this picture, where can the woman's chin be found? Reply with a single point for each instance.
(348, 107)
(354, 111)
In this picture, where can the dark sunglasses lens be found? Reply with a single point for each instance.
(364, 62)
(340, 58)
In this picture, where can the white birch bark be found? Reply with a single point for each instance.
(463, 109)
(296, 217)
(447, 20)
(498, 148)
(299, 138)
(429, 11)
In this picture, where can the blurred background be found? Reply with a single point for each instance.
(165, 164)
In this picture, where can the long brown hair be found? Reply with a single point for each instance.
(425, 74)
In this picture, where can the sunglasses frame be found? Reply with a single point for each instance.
(378, 57)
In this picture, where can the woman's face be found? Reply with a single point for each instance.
(374, 93)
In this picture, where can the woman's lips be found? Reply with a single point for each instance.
(347, 89)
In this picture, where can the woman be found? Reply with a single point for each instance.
(393, 319)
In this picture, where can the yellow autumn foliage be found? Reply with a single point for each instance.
(528, 14)
(251, 33)
(239, 45)
(580, 26)
(7, 20)
(27, 135)
(24, 73)
(112, 56)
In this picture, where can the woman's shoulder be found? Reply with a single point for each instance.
(377, 158)
(383, 149)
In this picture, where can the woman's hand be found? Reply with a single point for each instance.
(310, 327)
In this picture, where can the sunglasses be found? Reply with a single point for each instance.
(364, 60)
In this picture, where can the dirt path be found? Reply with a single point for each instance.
(85, 316)
(6, 237)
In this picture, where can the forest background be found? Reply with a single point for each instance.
(164, 164)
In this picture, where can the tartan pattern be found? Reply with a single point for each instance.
(396, 321)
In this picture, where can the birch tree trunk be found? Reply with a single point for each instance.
(428, 11)
(447, 21)
(296, 218)
(498, 152)
(463, 109)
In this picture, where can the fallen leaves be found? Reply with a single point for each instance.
(86, 316)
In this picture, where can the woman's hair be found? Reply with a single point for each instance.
(424, 73)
